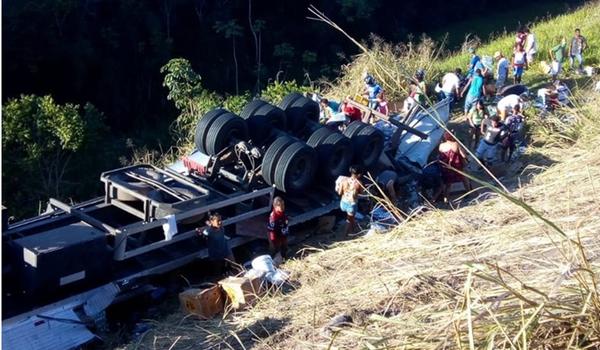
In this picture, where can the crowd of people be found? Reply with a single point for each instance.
(493, 115)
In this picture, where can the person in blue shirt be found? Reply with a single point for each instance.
(474, 63)
(219, 252)
(475, 91)
(372, 89)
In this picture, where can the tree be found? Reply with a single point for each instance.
(183, 83)
(186, 91)
(259, 26)
(285, 53)
(354, 10)
(39, 139)
(231, 29)
(308, 59)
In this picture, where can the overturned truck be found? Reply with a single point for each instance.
(61, 269)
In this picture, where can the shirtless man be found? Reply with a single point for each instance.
(349, 188)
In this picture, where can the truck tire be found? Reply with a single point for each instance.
(289, 99)
(318, 136)
(300, 111)
(295, 168)
(275, 116)
(272, 156)
(368, 145)
(261, 118)
(223, 130)
(204, 125)
(251, 108)
(353, 129)
(335, 156)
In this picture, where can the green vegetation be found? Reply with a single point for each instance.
(41, 140)
(193, 101)
(547, 34)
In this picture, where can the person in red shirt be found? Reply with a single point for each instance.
(278, 229)
(350, 111)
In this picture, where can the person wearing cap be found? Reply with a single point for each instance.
(372, 89)
(501, 70)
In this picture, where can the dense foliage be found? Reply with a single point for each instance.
(41, 142)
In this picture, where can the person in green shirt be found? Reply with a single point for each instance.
(557, 53)
(475, 117)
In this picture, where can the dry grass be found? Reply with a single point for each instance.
(392, 66)
(487, 276)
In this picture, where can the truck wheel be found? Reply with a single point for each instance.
(275, 116)
(251, 108)
(335, 156)
(261, 117)
(318, 136)
(300, 111)
(224, 129)
(295, 168)
(353, 129)
(204, 125)
(288, 100)
(368, 145)
(272, 156)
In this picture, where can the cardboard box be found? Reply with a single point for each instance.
(240, 291)
(205, 303)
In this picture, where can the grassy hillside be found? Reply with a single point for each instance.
(509, 270)
(393, 65)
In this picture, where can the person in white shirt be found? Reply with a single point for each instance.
(506, 104)
(501, 70)
(450, 85)
(530, 46)
(519, 64)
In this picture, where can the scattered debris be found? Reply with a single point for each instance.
(205, 303)
(338, 321)
(240, 291)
